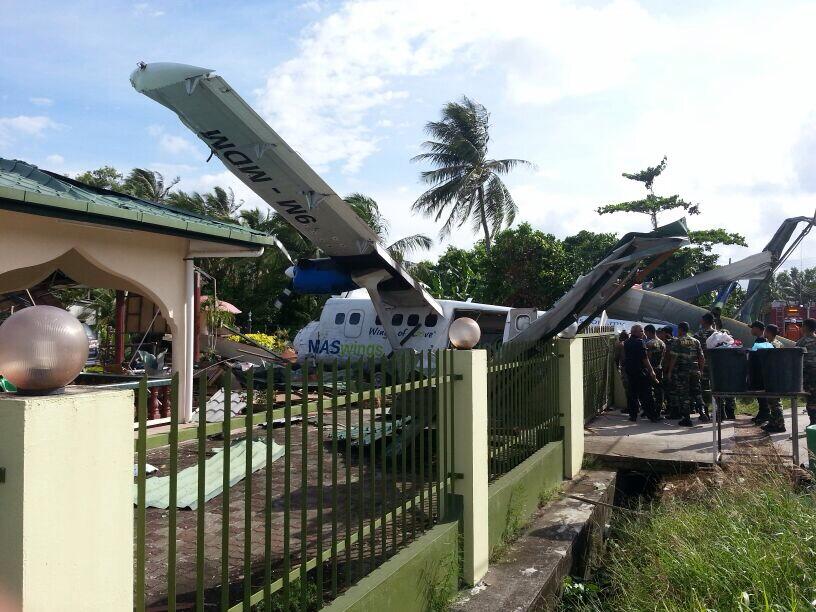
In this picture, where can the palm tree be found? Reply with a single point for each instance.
(369, 211)
(466, 184)
(148, 185)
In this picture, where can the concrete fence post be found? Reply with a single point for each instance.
(470, 458)
(571, 401)
(66, 501)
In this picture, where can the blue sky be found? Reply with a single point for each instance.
(585, 90)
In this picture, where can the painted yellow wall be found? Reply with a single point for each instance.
(66, 508)
(571, 398)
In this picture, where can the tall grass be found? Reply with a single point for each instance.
(746, 543)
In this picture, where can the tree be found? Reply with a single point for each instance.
(369, 211)
(651, 205)
(466, 184)
(586, 249)
(795, 286)
(148, 185)
(105, 177)
(457, 275)
(526, 268)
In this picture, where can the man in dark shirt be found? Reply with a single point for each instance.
(640, 374)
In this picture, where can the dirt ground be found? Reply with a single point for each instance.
(358, 490)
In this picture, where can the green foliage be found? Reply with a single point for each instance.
(514, 522)
(504, 277)
(148, 185)
(274, 342)
(795, 286)
(466, 186)
(745, 545)
(105, 177)
(527, 267)
(301, 597)
(440, 583)
(651, 205)
(369, 211)
(458, 274)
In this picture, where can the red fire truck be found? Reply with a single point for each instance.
(788, 317)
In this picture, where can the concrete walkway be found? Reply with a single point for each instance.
(613, 438)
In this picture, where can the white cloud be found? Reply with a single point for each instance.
(12, 128)
(41, 101)
(146, 9)
(55, 160)
(347, 63)
(172, 144)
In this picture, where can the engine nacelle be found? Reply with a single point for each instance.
(320, 276)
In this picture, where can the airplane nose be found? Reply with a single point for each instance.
(290, 272)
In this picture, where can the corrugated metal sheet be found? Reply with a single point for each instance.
(158, 488)
(23, 182)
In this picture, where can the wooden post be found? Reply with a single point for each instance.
(119, 328)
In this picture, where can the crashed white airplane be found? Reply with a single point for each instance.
(397, 313)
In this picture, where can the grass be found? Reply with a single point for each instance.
(746, 543)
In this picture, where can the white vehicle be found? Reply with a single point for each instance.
(349, 327)
(409, 317)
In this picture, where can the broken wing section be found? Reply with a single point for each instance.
(634, 256)
(262, 160)
(753, 267)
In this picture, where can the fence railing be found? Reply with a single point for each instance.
(301, 495)
(523, 411)
(598, 373)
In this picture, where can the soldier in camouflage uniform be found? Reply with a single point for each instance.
(669, 390)
(656, 350)
(776, 422)
(808, 341)
(727, 404)
(686, 363)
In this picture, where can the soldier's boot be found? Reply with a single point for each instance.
(730, 408)
(776, 420)
(685, 422)
(764, 412)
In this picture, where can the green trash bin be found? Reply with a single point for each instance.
(6, 386)
(810, 430)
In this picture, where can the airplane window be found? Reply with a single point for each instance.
(430, 320)
(354, 318)
(413, 320)
(377, 321)
(522, 322)
(339, 318)
(396, 319)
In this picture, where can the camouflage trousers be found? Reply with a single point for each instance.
(809, 383)
(669, 393)
(687, 390)
(777, 418)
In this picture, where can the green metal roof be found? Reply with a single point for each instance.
(26, 188)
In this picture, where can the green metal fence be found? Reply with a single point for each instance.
(523, 411)
(320, 480)
(598, 373)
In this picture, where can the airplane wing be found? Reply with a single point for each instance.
(257, 155)
(752, 267)
(634, 256)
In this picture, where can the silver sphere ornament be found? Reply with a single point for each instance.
(464, 333)
(42, 349)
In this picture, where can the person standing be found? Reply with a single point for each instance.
(728, 404)
(640, 374)
(622, 338)
(808, 342)
(764, 412)
(670, 392)
(776, 419)
(686, 363)
(656, 350)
